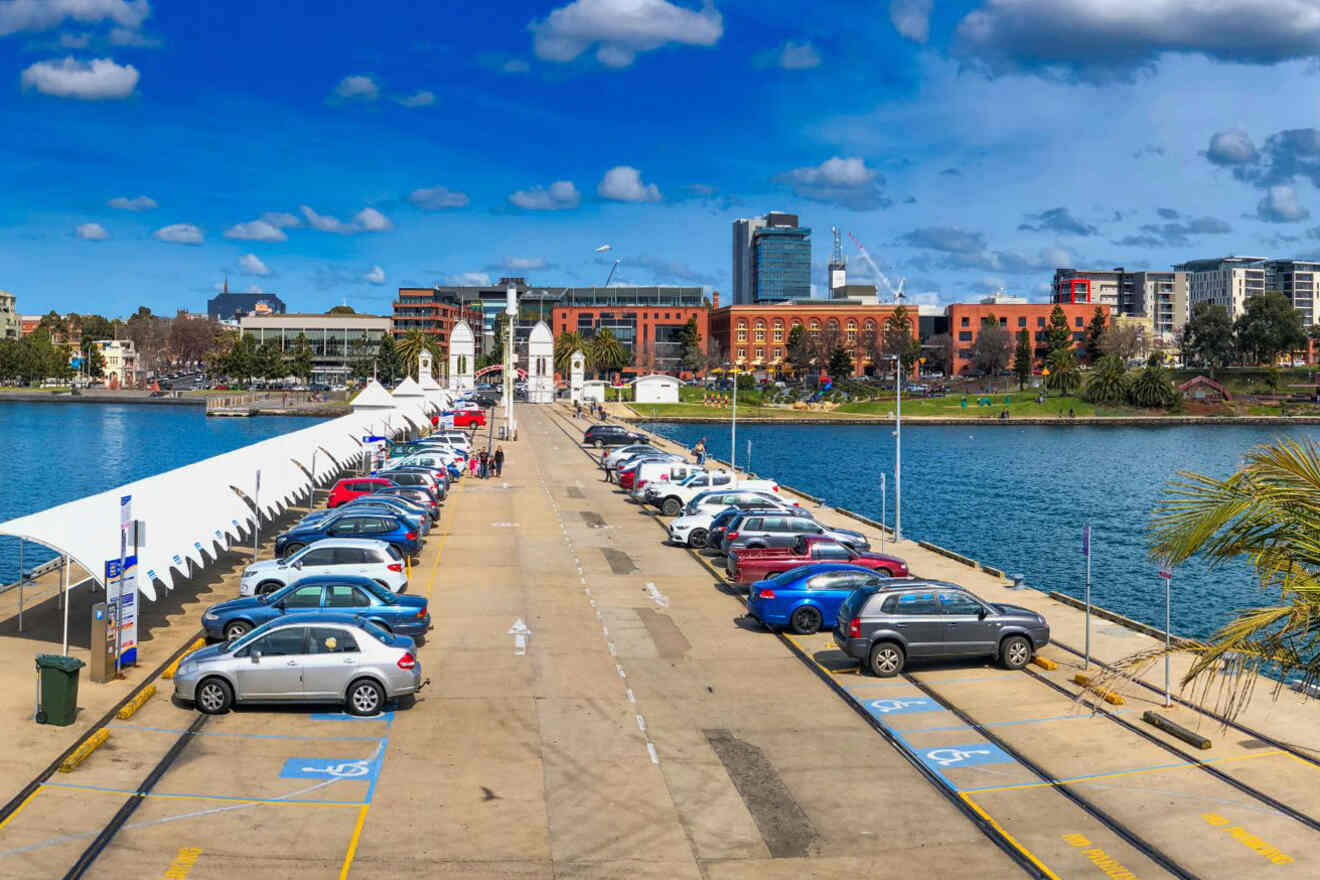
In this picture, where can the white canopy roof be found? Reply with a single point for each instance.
(194, 511)
(373, 397)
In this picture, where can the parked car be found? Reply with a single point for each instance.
(349, 488)
(661, 475)
(601, 436)
(754, 564)
(470, 418)
(422, 496)
(614, 456)
(413, 515)
(808, 597)
(693, 529)
(350, 594)
(783, 530)
(322, 657)
(628, 472)
(885, 627)
(433, 483)
(693, 497)
(701, 481)
(332, 556)
(352, 524)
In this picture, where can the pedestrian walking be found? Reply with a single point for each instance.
(472, 465)
(700, 451)
(577, 408)
(485, 462)
(499, 460)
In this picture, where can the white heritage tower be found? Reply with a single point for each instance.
(462, 355)
(541, 364)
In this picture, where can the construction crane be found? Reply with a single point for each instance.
(895, 292)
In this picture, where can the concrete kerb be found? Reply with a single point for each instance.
(1129, 623)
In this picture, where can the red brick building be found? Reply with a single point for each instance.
(651, 333)
(965, 324)
(418, 308)
(755, 336)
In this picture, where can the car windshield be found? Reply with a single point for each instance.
(377, 590)
(787, 577)
(376, 631)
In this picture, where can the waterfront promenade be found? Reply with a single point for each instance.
(645, 728)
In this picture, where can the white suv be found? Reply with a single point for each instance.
(358, 556)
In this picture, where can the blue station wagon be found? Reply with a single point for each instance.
(379, 526)
(401, 614)
(804, 598)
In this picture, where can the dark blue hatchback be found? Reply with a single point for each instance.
(379, 526)
(401, 614)
(803, 599)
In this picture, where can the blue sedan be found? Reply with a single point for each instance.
(400, 614)
(378, 526)
(804, 598)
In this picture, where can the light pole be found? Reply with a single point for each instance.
(898, 448)
(733, 428)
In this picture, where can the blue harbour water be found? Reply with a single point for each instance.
(52, 453)
(1016, 498)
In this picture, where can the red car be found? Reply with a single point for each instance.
(355, 487)
(752, 564)
(468, 418)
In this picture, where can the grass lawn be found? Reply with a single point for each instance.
(670, 410)
(1019, 405)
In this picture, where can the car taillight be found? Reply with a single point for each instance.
(421, 612)
(766, 594)
(411, 536)
(774, 488)
(407, 661)
(855, 628)
(395, 566)
(732, 536)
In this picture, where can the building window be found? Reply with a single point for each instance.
(1022, 322)
(760, 354)
(1078, 319)
(742, 354)
(965, 322)
(779, 330)
(815, 325)
(1003, 322)
(779, 354)
(964, 335)
(760, 330)
(1040, 322)
(742, 332)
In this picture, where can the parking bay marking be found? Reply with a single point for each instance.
(357, 770)
(886, 706)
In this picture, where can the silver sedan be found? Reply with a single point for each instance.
(315, 658)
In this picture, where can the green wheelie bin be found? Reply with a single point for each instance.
(58, 679)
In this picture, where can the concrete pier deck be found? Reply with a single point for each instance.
(646, 728)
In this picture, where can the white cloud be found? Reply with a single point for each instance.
(437, 198)
(251, 264)
(40, 15)
(75, 41)
(515, 65)
(93, 80)
(375, 276)
(92, 232)
(1280, 205)
(136, 203)
(469, 279)
(623, 183)
(131, 38)
(256, 230)
(622, 28)
(1121, 35)
(524, 264)
(911, 18)
(798, 56)
(1232, 147)
(366, 220)
(560, 195)
(179, 233)
(357, 88)
(280, 219)
(839, 181)
(417, 99)
(371, 220)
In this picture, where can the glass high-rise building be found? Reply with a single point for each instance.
(771, 259)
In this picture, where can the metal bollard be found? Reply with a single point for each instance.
(1019, 582)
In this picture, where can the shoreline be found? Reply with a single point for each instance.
(137, 399)
(1129, 421)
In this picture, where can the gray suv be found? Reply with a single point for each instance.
(783, 530)
(884, 626)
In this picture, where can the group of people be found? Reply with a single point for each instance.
(594, 409)
(486, 464)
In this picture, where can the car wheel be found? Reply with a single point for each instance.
(886, 660)
(291, 549)
(365, 697)
(214, 695)
(697, 538)
(806, 620)
(236, 628)
(671, 507)
(268, 587)
(1015, 652)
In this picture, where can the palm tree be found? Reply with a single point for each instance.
(1064, 376)
(411, 345)
(568, 342)
(607, 352)
(1109, 381)
(1152, 387)
(1267, 513)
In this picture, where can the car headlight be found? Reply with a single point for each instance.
(210, 615)
(187, 668)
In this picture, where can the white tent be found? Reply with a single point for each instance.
(655, 388)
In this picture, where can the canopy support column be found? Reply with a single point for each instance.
(64, 591)
(22, 575)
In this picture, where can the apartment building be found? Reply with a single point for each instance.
(1224, 281)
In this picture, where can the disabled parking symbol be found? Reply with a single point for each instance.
(885, 707)
(364, 769)
(950, 757)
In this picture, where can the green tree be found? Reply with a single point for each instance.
(389, 367)
(11, 361)
(568, 342)
(1023, 358)
(608, 354)
(1064, 376)
(299, 361)
(53, 324)
(341, 310)
(898, 338)
(1153, 388)
(1264, 516)
(939, 353)
(693, 354)
(496, 353)
(269, 363)
(1058, 336)
(1269, 326)
(798, 351)
(93, 360)
(410, 348)
(992, 349)
(1094, 336)
(1207, 338)
(841, 364)
(1108, 384)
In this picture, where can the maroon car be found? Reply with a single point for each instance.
(747, 565)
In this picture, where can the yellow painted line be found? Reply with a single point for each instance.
(183, 863)
(1078, 779)
(128, 709)
(1031, 857)
(119, 793)
(80, 754)
(352, 844)
(27, 800)
(1313, 764)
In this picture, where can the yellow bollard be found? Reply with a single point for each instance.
(80, 754)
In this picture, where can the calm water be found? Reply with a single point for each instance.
(1016, 498)
(52, 453)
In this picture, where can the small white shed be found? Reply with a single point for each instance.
(593, 389)
(656, 388)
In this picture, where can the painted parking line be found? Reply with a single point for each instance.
(189, 796)
(225, 735)
(1158, 768)
(904, 683)
(356, 770)
(1041, 720)
(387, 717)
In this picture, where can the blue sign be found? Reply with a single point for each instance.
(121, 590)
(1086, 540)
(886, 706)
(360, 770)
(953, 757)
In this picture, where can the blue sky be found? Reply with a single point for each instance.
(335, 151)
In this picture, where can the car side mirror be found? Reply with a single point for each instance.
(982, 613)
(298, 565)
(256, 656)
